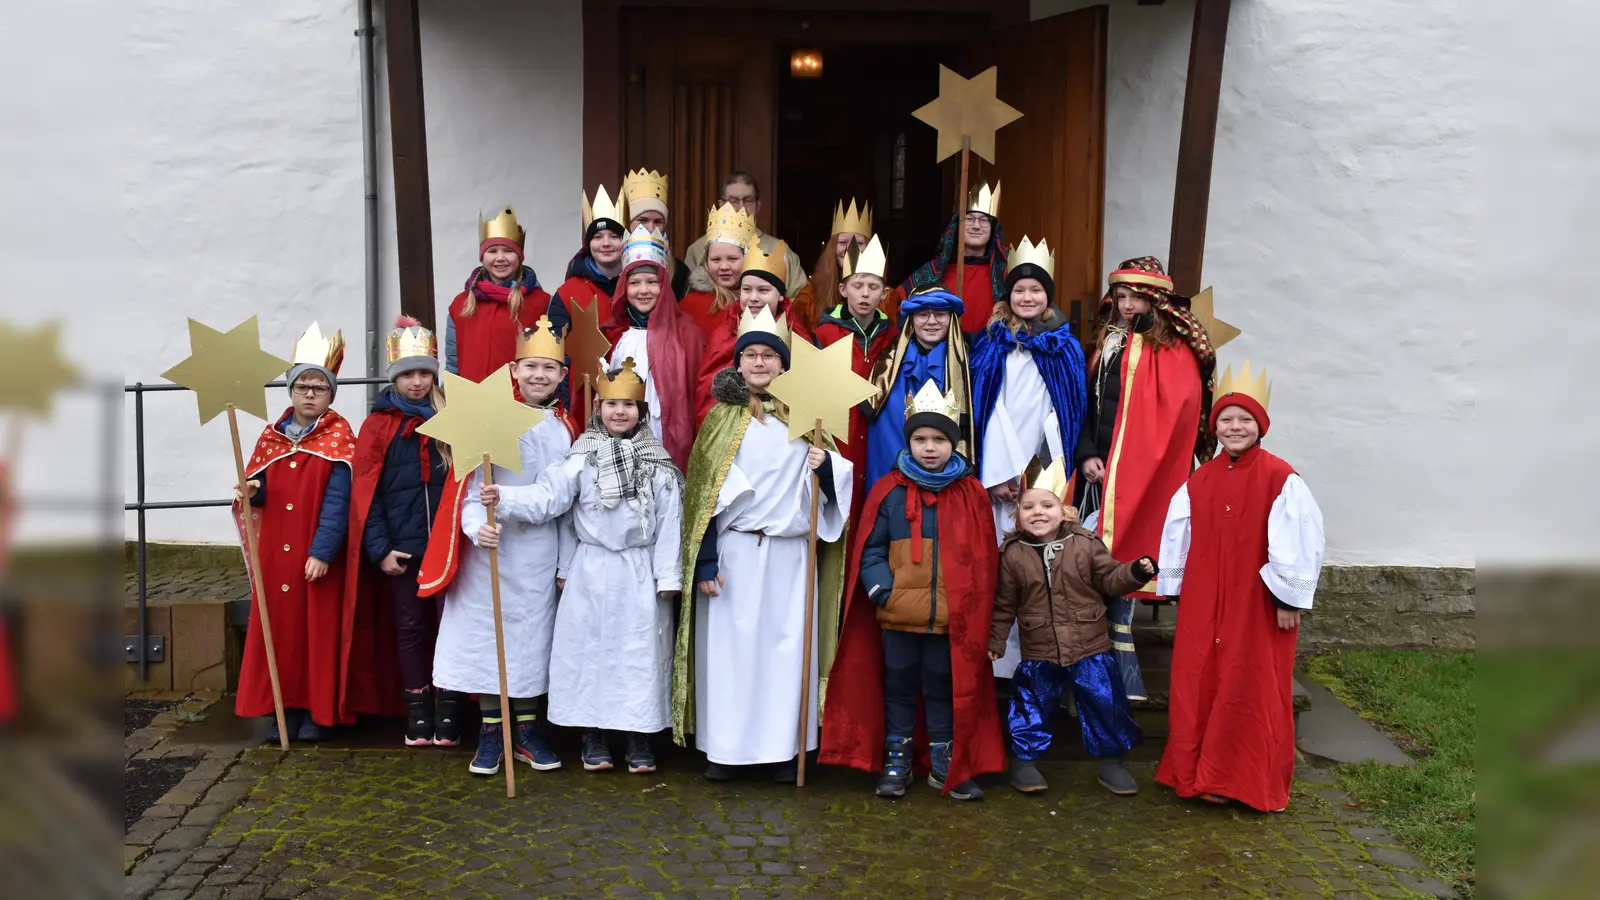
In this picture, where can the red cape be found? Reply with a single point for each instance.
(443, 557)
(854, 446)
(487, 339)
(675, 344)
(369, 661)
(306, 616)
(719, 354)
(1152, 447)
(852, 722)
(1231, 714)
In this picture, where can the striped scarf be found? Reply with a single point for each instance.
(625, 466)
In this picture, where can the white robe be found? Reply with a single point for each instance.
(1021, 427)
(533, 554)
(611, 660)
(633, 343)
(1294, 545)
(748, 640)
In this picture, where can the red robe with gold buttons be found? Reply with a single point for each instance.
(306, 616)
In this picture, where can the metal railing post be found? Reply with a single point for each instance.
(139, 550)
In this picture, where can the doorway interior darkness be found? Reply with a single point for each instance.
(850, 134)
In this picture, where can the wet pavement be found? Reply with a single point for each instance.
(330, 821)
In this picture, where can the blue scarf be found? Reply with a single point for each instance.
(1060, 361)
(421, 408)
(932, 481)
(885, 434)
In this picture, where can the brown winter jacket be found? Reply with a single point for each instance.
(1066, 620)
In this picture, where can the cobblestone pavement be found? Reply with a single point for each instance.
(321, 823)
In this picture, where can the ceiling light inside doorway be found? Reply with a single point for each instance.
(805, 64)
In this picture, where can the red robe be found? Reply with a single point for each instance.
(674, 345)
(369, 662)
(1152, 446)
(487, 339)
(852, 721)
(699, 306)
(719, 353)
(1231, 714)
(581, 292)
(854, 446)
(307, 617)
(443, 556)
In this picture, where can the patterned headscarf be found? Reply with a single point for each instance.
(932, 271)
(625, 466)
(1145, 276)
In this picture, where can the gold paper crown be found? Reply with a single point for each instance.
(645, 244)
(775, 263)
(1039, 254)
(604, 208)
(1251, 384)
(409, 339)
(542, 341)
(1052, 478)
(501, 226)
(849, 221)
(727, 225)
(864, 261)
(641, 185)
(625, 385)
(982, 199)
(930, 400)
(313, 350)
(763, 322)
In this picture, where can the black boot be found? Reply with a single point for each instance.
(1025, 776)
(1114, 777)
(896, 767)
(447, 718)
(419, 718)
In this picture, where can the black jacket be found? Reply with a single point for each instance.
(403, 505)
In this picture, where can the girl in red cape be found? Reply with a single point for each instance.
(501, 298)
(663, 342)
(1241, 551)
(912, 621)
(760, 285)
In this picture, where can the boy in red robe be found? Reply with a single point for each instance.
(1241, 551)
(921, 582)
(975, 234)
(299, 487)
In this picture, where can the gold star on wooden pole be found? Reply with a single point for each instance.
(587, 347)
(32, 368)
(484, 426)
(229, 371)
(1204, 308)
(967, 110)
(821, 387)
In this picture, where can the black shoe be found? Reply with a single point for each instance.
(896, 768)
(596, 753)
(291, 718)
(447, 718)
(1114, 777)
(311, 732)
(419, 718)
(720, 772)
(641, 761)
(1025, 776)
(787, 772)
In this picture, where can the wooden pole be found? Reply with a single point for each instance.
(588, 400)
(253, 560)
(408, 139)
(811, 613)
(961, 220)
(507, 718)
(1197, 138)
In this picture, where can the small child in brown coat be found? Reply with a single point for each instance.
(1054, 578)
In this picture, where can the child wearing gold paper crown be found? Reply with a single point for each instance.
(299, 491)
(1055, 578)
(534, 554)
(611, 660)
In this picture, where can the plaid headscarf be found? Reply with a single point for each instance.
(1145, 276)
(626, 467)
(932, 271)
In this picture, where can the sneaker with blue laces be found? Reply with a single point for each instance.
(491, 750)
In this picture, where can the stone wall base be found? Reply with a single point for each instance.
(1393, 606)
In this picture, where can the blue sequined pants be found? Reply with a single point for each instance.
(1096, 683)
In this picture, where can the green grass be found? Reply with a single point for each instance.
(1426, 703)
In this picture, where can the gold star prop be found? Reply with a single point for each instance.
(967, 109)
(227, 369)
(480, 418)
(32, 368)
(1204, 308)
(821, 385)
(585, 343)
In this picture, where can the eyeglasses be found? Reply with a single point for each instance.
(311, 390)
(742, 203)
(761, 356)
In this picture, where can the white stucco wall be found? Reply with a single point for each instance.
(1342, 194)
(203, 159)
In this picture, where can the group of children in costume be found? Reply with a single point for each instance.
(653, 550)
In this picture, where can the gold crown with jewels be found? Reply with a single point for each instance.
(542, 341)
(1038, 254)
(641, 185)
(410, 339)
(929, 399)
(727, 225)
(775, 263)
(502, 226)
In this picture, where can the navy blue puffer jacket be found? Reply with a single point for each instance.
(403, 505)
